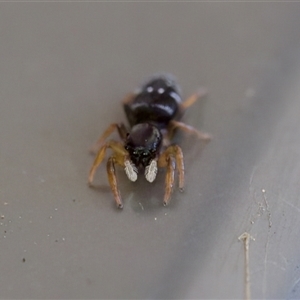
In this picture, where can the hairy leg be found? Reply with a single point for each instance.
(172, 158)
(188, 129)
(109, 130)
(112, 179)
(119, 152)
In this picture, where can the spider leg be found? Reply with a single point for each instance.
(128, 98)
(112, 179)
(172, 158)
(120, 155)
(112, 127)
(193, 98)
(169, 179)
(109, 130)
(173, 124)
(187, 128)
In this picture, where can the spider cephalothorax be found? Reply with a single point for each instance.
(143, 144)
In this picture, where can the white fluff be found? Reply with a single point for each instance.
(131, 170)
(151, 171)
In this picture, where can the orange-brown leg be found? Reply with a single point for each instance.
(119, 152)
(187, 128)
(193, 98)
(110, 129)
(169, 180)
(112, 179)
(167, 159)
(128, 98)
(119, 157)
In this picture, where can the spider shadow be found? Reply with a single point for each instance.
(146, 197)
(141, 195)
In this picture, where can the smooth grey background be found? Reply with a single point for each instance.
(64, 69)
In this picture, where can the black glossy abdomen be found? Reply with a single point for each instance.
(157, 102)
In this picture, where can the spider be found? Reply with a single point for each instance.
(153, 112)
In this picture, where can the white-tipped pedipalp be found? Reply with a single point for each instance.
(151, 171)
(130, 170)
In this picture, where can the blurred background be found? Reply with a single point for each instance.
(65, 68)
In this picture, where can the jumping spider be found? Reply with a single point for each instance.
(153, 113)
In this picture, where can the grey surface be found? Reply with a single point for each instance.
(64, 69)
